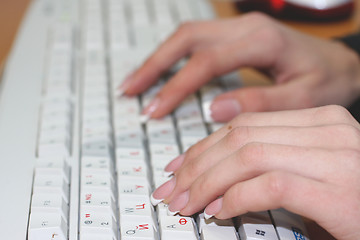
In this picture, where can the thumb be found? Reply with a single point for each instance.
(257, 99)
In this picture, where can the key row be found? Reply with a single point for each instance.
(49, 212)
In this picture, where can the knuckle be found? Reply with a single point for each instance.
(265, 26)
(276, 185)
(195, 150)
(237, 137)
(251, 156)
(350, 132)
(274, 36)
(193, 169)
(243, 118)
(335, 113)
(204, 185)
(185, 28)
(187, 174)
(185, 31)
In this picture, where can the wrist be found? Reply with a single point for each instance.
(352, 60)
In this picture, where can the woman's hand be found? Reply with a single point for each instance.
(307, 71)
(306, 161)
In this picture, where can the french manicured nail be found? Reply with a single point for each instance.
(178, 203)
(124, 85)
(213, 208)
(162, 192)
(148, 111)
(175, 164)
(221, 110)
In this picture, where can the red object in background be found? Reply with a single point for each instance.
(277, 5)
(294, 9)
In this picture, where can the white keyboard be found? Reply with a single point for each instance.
(76, 161)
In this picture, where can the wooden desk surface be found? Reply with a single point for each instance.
(325, 29)
(11, 12)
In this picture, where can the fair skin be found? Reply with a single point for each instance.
(306, 161)
(300, 65)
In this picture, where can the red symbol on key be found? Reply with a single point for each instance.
(138, 186)
(141, 206)
(134, 153)
(137, 169)
(143, 227)
(182, 221)
(87, 215)
(88, 196)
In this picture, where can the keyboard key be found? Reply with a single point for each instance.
(47, 226)
(99, 164)
(163, 152)
(130, 153)
(97, 223)
(50, 203)
(177, 228)
(161, 210)
(97, 202)
(54, 146)
(53, 166)
(99, 183)
(289, 225)
(55, 184)
(100, 149)
(137, 169)
(138, 208)
(214, 233)
(256, 226)
(131, 186)
(137, 229)
(129, 140)
(213, 222)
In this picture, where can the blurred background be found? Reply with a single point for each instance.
(12, 11)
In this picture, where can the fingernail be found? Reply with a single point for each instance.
(213, 208)
(148, 111)
(162, 192)
(175, 164)
(178, 203)
(221, 110)
(124, 85)
(167, 174)
(170, 213)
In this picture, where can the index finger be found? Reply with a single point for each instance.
(188, 37)
(177, 46)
